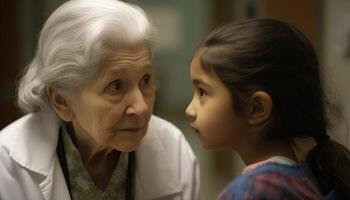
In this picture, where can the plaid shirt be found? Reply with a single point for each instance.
(272, 180)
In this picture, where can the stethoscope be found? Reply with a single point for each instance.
(130, 193)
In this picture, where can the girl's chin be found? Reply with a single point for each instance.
(209, 146)
(206, 144)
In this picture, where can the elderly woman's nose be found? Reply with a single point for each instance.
(137, 104)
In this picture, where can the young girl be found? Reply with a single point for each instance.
(258, 90)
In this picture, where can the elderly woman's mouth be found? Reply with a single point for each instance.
(132, 129)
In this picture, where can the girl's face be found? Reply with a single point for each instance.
(113, 109)
(211, 112)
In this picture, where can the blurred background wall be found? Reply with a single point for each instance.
(182, 24)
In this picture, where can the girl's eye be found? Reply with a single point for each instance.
(202, 93)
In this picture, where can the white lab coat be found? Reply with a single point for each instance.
(166, 168)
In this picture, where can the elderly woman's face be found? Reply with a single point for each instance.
(113, 110)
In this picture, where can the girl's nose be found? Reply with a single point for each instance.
(190, 113)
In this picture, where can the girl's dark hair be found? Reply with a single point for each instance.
(273, 56)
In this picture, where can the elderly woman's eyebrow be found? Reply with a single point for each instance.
(124, 68)
(147, 66)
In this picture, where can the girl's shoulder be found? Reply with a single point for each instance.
(274, 180)
(281, 166)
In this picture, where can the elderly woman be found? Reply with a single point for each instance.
(89, 132)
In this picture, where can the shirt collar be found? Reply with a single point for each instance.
(82, 184)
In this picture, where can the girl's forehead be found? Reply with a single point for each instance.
(200, 76)
(197, 68)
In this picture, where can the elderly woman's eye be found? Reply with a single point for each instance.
(146, 80)
(115, 86)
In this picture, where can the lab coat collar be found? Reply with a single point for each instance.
(35, 149)
(36, 140)
(155, 175)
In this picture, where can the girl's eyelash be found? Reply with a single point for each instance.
(202, 92)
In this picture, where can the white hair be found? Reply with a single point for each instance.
(73, 41)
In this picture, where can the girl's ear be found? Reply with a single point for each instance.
(259, 108)
(59, 104)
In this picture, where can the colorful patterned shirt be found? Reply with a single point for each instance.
(272, 179)
(82, 186)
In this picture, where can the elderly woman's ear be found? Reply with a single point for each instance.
(59, 104)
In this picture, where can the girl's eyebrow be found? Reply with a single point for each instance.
(198, 81)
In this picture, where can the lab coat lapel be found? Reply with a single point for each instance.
(155, 175)
(35, 149)
(36, 142)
